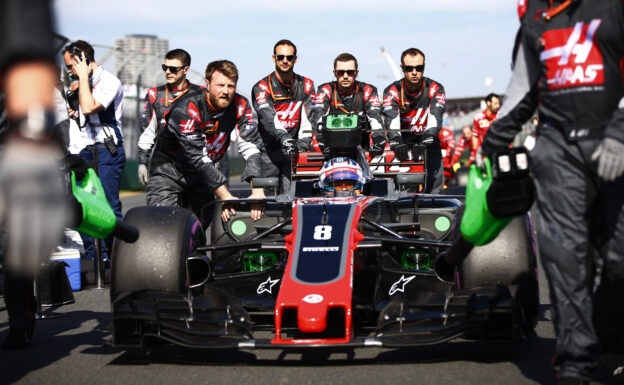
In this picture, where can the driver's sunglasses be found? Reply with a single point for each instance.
(171, 69)
(418, 68)
(290, 58)
(340, 73)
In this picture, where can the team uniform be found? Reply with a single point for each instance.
(183, 171)
(471, 144)
(447, 144)
(481, 123)
(420, 114)
(283, 112)
(570, 68)
(362, 101)
(158, 103)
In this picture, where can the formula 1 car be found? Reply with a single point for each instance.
(322, 271)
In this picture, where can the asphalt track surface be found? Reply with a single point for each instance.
(75, 349)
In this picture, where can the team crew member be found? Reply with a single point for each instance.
(568, 64)
(283, 101)
(416, 104)
(447, 144)
(158, 102)
(197, 135)
(99, 115)
(485, 118)
(345, 95)
(467, 141)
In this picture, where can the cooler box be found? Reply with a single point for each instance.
(72, 259)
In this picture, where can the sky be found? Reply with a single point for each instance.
(465, 42)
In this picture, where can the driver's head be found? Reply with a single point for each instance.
(341, 177)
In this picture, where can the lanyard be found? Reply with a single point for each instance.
(188, 87)
(276, 98)
(418, 94)
(554, 11)
(357, 100)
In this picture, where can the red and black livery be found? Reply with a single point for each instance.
(318, 271)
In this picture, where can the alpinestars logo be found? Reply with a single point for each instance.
(308, 85)
(400, 284)
(433, 88)
(193, 112)
(267, 286)
(572, 58)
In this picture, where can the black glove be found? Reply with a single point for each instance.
(76, 164)
(427, 140)
(289, 146)
(376, 149)
(303, 145)
(401, 151)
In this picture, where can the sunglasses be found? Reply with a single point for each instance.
(340, 73)
(287, 57)
(418, 68)
(171, 69)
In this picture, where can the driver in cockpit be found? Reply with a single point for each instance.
(342, 177)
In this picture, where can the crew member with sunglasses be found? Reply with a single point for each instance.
(283, 101)
(158, 102)
(345, 95)
(415, 105)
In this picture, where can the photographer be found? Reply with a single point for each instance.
(100, 138)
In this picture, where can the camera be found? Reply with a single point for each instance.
(72, 99)
(77, 52)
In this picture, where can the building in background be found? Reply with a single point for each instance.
(140, 55)
(138, 60)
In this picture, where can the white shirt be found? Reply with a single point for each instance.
(106, 90)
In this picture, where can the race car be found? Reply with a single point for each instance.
(319, 270)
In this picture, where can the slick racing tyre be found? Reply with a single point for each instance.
(158, 259)
(509, 260)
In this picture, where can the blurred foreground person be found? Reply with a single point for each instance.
(33, 208)
(568, 65)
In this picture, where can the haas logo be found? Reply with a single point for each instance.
(288, 114)
(415, 120)
(572, 59)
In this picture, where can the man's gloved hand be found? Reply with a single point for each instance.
(76, 164)
(142, 174)
(34, 203)
(303, 145)
(289, 146)
(401, 151)
(610, 157)
(376, 149)
(427, 139)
